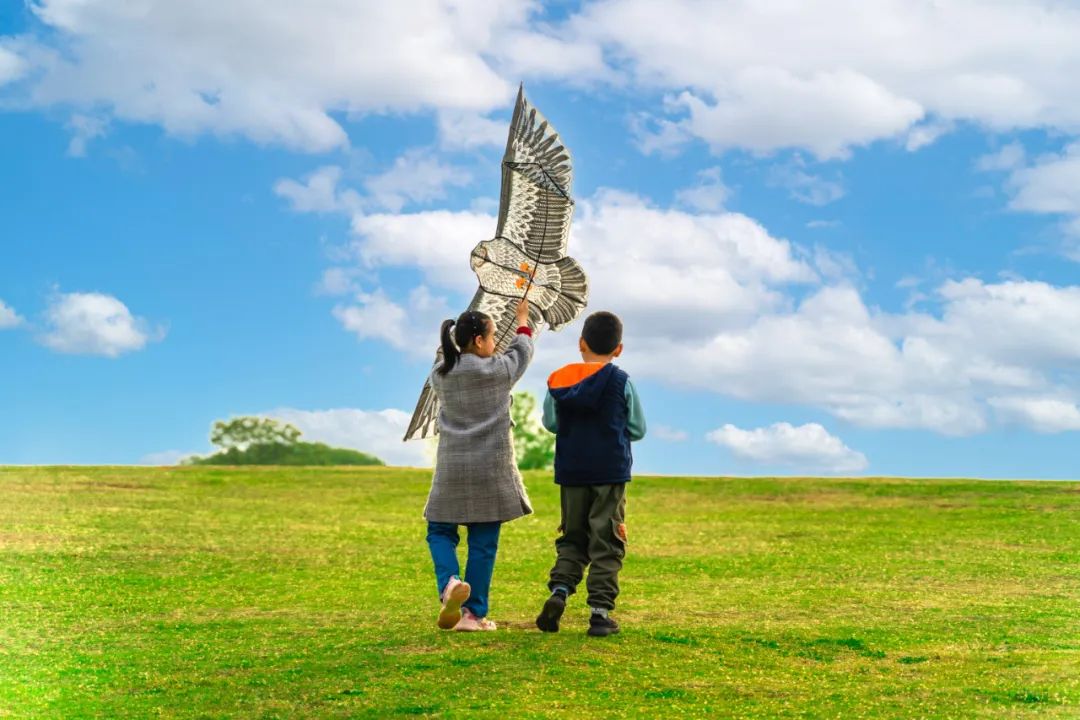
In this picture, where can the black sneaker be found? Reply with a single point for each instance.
(548, 620)
(600, 626)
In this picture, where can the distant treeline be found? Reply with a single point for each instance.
(299, 453)
(263, 441)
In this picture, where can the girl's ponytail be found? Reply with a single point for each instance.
(449, 350)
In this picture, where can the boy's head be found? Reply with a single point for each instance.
(601, 336)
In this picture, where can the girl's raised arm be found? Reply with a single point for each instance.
(517, 357)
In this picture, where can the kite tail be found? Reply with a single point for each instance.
(572, 295)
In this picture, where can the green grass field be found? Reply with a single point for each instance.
(303, 592)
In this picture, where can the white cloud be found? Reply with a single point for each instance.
(804, 186)
(95, 324)
(825, 112)
(926, 133)
(807, 447)
(825, 76)
(271, 71)
(338, 281)
(437, 242)
(411, 328)
(669, 434)
(1007, 157)
(881, 370)
(84, 128)
(463, 130)
(1043, 414)
(165, 457)
(830, 75)
(708, 195)
(378, 432)
(318, 192)
(8, 317)
(416, 176)
(12, 67)
(725, 307)
(1050, 185)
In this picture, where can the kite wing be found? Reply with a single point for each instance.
(534, 205)
(535, 209)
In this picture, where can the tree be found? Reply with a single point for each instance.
(243, 432)
(533, 445)
(263, 441)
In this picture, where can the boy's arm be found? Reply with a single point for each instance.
(551, 416)
(635, 416)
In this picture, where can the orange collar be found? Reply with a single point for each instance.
(573, 373)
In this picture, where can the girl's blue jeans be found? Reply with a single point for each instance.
(483, 542)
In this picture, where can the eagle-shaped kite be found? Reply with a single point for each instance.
(528, 253)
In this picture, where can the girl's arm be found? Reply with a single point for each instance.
(517, 357)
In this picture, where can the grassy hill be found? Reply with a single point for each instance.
(308, 592)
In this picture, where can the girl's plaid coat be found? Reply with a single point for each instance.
(476, 477)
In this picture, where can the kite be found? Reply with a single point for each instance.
(527, 256)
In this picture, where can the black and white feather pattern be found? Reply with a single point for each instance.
(528, 253)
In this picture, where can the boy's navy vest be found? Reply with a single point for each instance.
(592, 446)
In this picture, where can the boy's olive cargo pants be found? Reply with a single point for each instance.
(594, 534)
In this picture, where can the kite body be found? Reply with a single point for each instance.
(559, 289)
(528, 256)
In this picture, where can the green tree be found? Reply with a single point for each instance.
(243, 432)
(533, 445)
(263, 441)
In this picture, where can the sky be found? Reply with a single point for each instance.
(843, 236)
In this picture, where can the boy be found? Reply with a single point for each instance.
(593, 410)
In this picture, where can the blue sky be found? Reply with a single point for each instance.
(829, 258)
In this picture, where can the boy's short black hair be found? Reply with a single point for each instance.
(602, 332)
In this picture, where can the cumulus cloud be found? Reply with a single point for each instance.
(281, 72)
(378, 432)
(437, 242)
(772, 108)
(8, 317)
(1049, 185)
(1007, 157)
(318, 192)
(417, 177)
(824, 77)
(1043, 414)
(725, 307)
(708, 195)
(406, 327)
(926, 133)
(12, 66)
(805, 186)
(165, 457)
(832, 75)
(95, 324)
(463, 130)
(84, 129)
(810, 447)
(669, 434)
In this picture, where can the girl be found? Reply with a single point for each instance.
(476, 481)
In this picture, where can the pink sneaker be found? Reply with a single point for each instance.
(471, 623)
(455, 593)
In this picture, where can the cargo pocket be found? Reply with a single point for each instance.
(618, 530)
